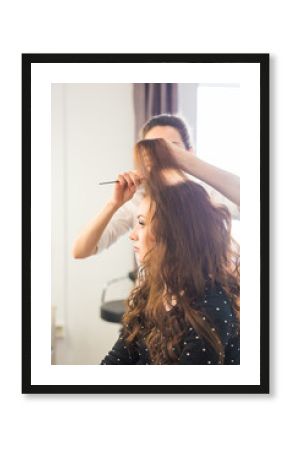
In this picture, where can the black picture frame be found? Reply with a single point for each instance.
(263, 61)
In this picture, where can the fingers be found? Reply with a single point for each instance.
(129, 179)
(122, 181)
(138, 175)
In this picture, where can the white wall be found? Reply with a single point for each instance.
(92, 140)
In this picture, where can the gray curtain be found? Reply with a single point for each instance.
(151, 99)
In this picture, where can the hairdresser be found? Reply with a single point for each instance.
(119, 214)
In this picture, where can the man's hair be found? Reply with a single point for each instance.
(170, 120)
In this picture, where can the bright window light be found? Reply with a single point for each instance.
(218, 125)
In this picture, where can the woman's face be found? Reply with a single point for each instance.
(166, 132)
(141, 235)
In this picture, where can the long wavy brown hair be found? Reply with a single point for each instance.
(193, 249)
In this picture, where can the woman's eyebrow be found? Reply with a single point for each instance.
(140, 215)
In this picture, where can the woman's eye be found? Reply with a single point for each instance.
(141, 223)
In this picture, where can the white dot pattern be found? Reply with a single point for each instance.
(215, 310)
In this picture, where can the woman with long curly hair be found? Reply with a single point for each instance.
(184, 308)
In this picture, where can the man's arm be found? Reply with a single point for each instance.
(86, 243)
(225, 182)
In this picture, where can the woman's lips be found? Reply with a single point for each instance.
(136, 249)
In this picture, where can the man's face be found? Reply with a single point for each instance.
(166, 132)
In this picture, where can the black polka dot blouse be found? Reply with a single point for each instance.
(218, 310)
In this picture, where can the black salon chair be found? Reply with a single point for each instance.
(113, 310)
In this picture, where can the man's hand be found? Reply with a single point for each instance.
(126, 187)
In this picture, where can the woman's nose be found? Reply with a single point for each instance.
(133, 235)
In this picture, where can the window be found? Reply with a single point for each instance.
(213, 114)
(217, 125)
